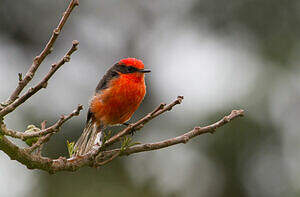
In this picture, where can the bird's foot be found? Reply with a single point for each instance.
(126, 124)
(132, 132)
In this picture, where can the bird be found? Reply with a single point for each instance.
(117, 96)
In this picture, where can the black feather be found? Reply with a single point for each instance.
(114, 72)
(110, 74)
(89, 116)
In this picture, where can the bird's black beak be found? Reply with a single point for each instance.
(144, 71)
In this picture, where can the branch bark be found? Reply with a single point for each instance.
(47, 133)
(140, 124)
(98, 156)
(54, 128)
(185, 137)
(40, 58)
(42, 84)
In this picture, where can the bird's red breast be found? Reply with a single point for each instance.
(123, 95)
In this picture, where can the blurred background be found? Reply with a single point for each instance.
(220, 54)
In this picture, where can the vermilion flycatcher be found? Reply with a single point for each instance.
(117, 96)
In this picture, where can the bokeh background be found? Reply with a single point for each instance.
(220, 54)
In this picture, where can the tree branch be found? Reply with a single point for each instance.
(140, 124)
(185, 137)
(39, 59)
(47, 133)
(98, 156)
(97, 164)
(42, 83)
(53, 129)
(40, 147)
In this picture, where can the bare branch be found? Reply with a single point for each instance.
(140, 124)
(39, 59)
(47, 133)
(185, 137)
(107, 156)
(41, 141)
(40, 148)
(42, 83)
(53, 129)
(97, 164)
(91, 159)
(98, 156)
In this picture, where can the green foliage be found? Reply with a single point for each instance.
(127, 142)
(106, 136)
(71, 149)
(33, 140)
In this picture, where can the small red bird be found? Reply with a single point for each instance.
(117, 96)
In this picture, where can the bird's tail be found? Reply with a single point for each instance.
(87, 139)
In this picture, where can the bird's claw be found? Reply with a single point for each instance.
(132, 132)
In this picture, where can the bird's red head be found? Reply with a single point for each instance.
(131, 66)
(132, 62)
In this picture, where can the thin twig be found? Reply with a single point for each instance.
(96, 157)
(53, 129)
(39, 59)
(41, 141)
(185, 137)
(140, 124)
(47, 133)
(40, 148)
(42, 83)
(97, 164)
(73, 164)
(89, 159)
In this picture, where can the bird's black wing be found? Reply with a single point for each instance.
(103, 84)
(110, 74)
(89, 116)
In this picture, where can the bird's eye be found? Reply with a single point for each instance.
(131, 69)
(126, 69)
(123, 68)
